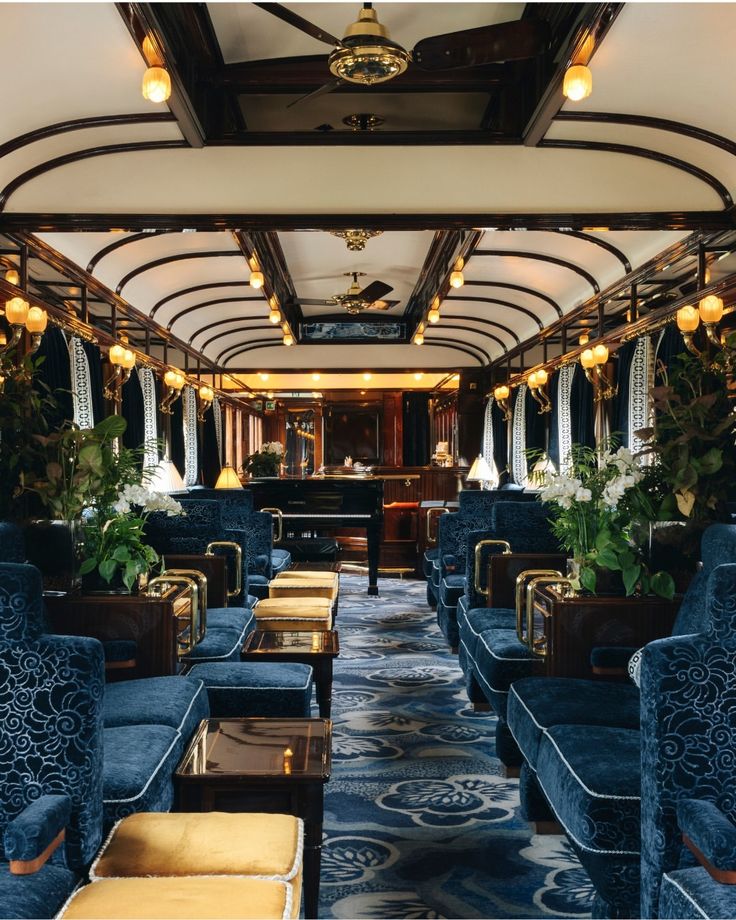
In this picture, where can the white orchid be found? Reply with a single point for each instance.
(272, 447)
(139, 496)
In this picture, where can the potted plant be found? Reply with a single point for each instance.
(266, 461)
(600, 512)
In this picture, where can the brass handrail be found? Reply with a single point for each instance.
(485, 592)
(430, 514)
(521, 580)
(530, 589)
(238, 551)
(201, 580)
(279, 516)
(186, 639)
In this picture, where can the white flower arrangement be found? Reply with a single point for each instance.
(138, 496)
(272, 447)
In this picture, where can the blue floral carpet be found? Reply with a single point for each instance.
(419, 820)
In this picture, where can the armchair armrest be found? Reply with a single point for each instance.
(710, 836)
(32, 836)
(611, 660)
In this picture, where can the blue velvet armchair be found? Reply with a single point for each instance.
(51, 765)
(688, 730)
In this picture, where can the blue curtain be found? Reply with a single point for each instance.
(177, 436)
(209, 458)
(415, 436)
(132, 411)
(536, 425)
(55, 371)
(671, 344)
(500, 442)
(625, 356)
(94, 359)
(582, 411)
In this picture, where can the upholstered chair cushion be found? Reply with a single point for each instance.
(691, 894)
(500, 659)
(304, 588)
(280, 560)
(709, 830)
(237, 898)
(51, 692)
(258, 688)
(240, 618)
(591, 776)
(203, 843)
(308, 574)
(179, 702)
(40, 895)
(471, 623)
(137, 773)
(219, 644)
(21, 602)
(536, 705)
(430, 556)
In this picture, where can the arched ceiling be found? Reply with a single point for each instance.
(653, 147)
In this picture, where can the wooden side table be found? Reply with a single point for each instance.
(317, 649)
(278, 766)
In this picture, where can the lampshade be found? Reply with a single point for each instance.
(577, 83)
(116, 355)
(274, 317)
(501, 391)
(711, 309)
(688, 319)
(587, 359)
(256, 279)
(12, 277)
(128, 361)
(532, 381)
(37, 320)
(542, 377)
(206, 394)
(480, 471)
(419, 338)
(156, 85)
(16, 310)
(457, 279)
(583, 339)
(228, 479)
(600, 354)
(288, 338)
(434, 315)
(166, 478)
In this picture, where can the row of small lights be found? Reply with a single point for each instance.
(457, 280)
(316, 376)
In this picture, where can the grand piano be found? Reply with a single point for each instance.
(321, 503)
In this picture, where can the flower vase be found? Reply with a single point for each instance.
(56, 549)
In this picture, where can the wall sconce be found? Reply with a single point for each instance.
(593, 361)
(206, 397)
(577, 83)
(537, 381)
(12, 277)
(123, 361)
(21, 315)
(433, 315)
(710, 313)
(501, 394)
(174, 381)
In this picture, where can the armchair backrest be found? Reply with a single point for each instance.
(717, 547)
(452, 537)
(51, 692)
(688, 728)
(473, 501)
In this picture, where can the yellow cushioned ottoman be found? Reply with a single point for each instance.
(293, 613)
(303, 587)
(306, 574)
(203, 843)
(211, 898)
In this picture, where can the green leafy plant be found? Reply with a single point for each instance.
(266, 461)
(601, 510)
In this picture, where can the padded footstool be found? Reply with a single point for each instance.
(258, 688)
(300, 614)
(219, 898)
(325, 587)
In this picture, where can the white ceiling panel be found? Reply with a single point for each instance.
(365, 357)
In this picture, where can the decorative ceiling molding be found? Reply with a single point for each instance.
(469, 317)
(118, 244)
(667, 159)
(77, 155)
(597, 241)
(211, 303)
(208, 285)
(540, 257)
(256, 328)
(461, 327)
(168, 260)
(465, 347)
(249, 346)
(503, 303)
(507, 285)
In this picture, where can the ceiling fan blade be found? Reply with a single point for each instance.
(322, 91)
(299, 22)
(310, 302)
(381, 304)
(375, 291)
(505, 41)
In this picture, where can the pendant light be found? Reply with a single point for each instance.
(156, 86)
(577, 83)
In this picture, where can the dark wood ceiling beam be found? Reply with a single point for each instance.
(594, 24)
(466, 347)
(187, 311)
(602, 244)
(40, 222)
(170, 260)
(472, 318)
(266, 248)
(194, 289)
(540, 257)
(118, 244)
(255, 326)
(259, 343)
(516, 308)
(462, 327)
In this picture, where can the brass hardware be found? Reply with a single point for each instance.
(478, 550)
(278, 514)
(521, 580)
(188, 629)
(201, 580)
(238, 553)
(536, 646)
(430, 514)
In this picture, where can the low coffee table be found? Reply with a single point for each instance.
(317, 649)
(278, 766)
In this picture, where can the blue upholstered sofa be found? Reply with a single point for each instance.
(582, 747)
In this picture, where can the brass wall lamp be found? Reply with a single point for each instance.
(537, 381)
(174, 381)
(123, 361)
(501, 394)
(206, 397)
(593, 361)
(709, 312)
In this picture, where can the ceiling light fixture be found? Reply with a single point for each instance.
(156, 85)
(418, 375)
(367, 376)
(457, 279)
(288, 338)
(419, 338)
(577, 83)
(584, 339)
(12, 277)
(316, 376)
(356, 239)
(501, 394)
(367, 54)
(274, 316)
(256, 280)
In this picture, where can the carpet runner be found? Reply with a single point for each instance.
(419, 820)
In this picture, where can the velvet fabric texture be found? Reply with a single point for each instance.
(710, 830)
(582, 411)
(164, 898)
(688, 726)
(500, 441)
(21, 602)
(36, 827)
(611, 656)
(500, 659)
(259, 688)
(132, 411)
(691, 894)
(41, 895)
(240, 618)
(219, 644)
(179, 702)
(12, 544)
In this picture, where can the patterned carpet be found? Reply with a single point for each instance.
(419, 821)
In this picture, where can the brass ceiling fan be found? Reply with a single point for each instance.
(356, 300)
(367, 54)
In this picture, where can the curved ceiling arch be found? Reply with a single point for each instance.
(596, 241)
(168, 260)
(644, 152)
(247, 346)
(88, 153)
(253, 328)
(193, 289)
(539, 257)
(503, 303)
(521, 289)
(465, 347)
(470, 318)
(118, 244)
(187, 311)
(218, 323)
(460, 327)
